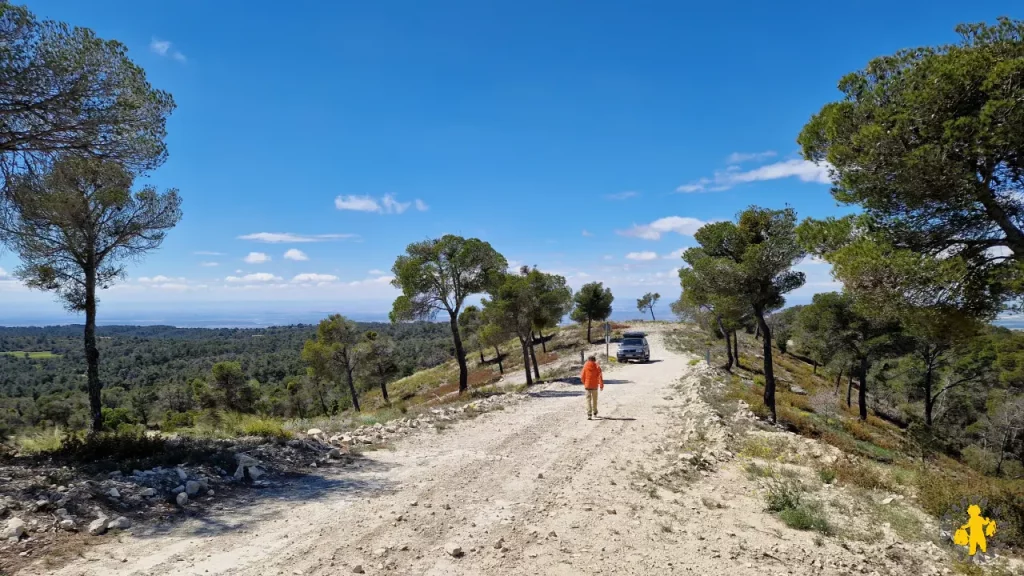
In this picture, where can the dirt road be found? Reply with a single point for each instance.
(533, 489)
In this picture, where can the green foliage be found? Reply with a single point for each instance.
(175, 420)
(263, 427)
(647, 303)
(927, 142)
(113, 418)
(751, 262)
(67, 91)
(593, 303)
(827, 475)
(437, 276)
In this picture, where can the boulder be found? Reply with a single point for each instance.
(454, 550)
(797, 390)
(245, 460)
(182, 475)
(119, 523)
(182, 499)
(14, 529)
(68, 525)
(148, 492)
(113, 493)
(192, 487)
(314, 432)
(255, 472)
(98, 527)
(178, 489)
(358, 569)
(336, 453)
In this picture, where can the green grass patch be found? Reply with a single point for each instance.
(807, 516)
(39, 442)
(694, 361)
(32, 355)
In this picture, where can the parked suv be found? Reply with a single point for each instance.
(633, 347)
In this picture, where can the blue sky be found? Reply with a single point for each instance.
(314, 140)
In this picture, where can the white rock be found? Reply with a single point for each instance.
(192, 487)
(314, 432)
(114, 493)
(209, 492)
(98, 526)
(148, 492)
(453, 550)
(15, 528)
(67, 525)
(182, 499)
(246, 460)
(255, 472)
(182, 475)
(178, 489)
(120, 523)
(500, 543)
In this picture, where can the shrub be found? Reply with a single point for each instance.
(759, 380)
(694, 361)
(782, 495)
(264, 428)
(806, 516)
(175, 420)
(114, 417)
(827, 475)
(858, 474)
(942, 490)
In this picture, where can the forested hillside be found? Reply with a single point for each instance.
(151, 369)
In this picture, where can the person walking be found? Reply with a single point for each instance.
(593, 381)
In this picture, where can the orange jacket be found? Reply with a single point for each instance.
(591, 376)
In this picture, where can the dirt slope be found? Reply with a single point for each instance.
(533, 489)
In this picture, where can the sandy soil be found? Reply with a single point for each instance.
(532, 489)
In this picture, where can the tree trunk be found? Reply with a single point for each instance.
(384, 385)
(849, 388)
(320, 395)
(1002, 453)
(839, 378)
(533, 357)
(929, 400)
(590, 324)
(814, 369)
(543, 343)
(460, 352)
(526, 361)
(501, 368)
(757, 331)
(862, 394)
(736, 347)
(728, 344)
(482, 360)
(92, 353)
(351, 381)
(769, 372)
(653, 319)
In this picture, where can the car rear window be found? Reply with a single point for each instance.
(633, 342)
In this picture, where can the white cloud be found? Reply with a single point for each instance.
(682, 225)
(288, 237)
(314, 278)
(741, 157)
(376, 272)
(295, 254)
(356, 203)
(257, 277)
(206, 253)
(675, 254)
(3, 273)
(642, 256)
(586, 233)
(257, 258)
(609, 257)
(622, 195)
(163, 48)
(209, 264)
(804, 170)
(388, 204)
(159, 280)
